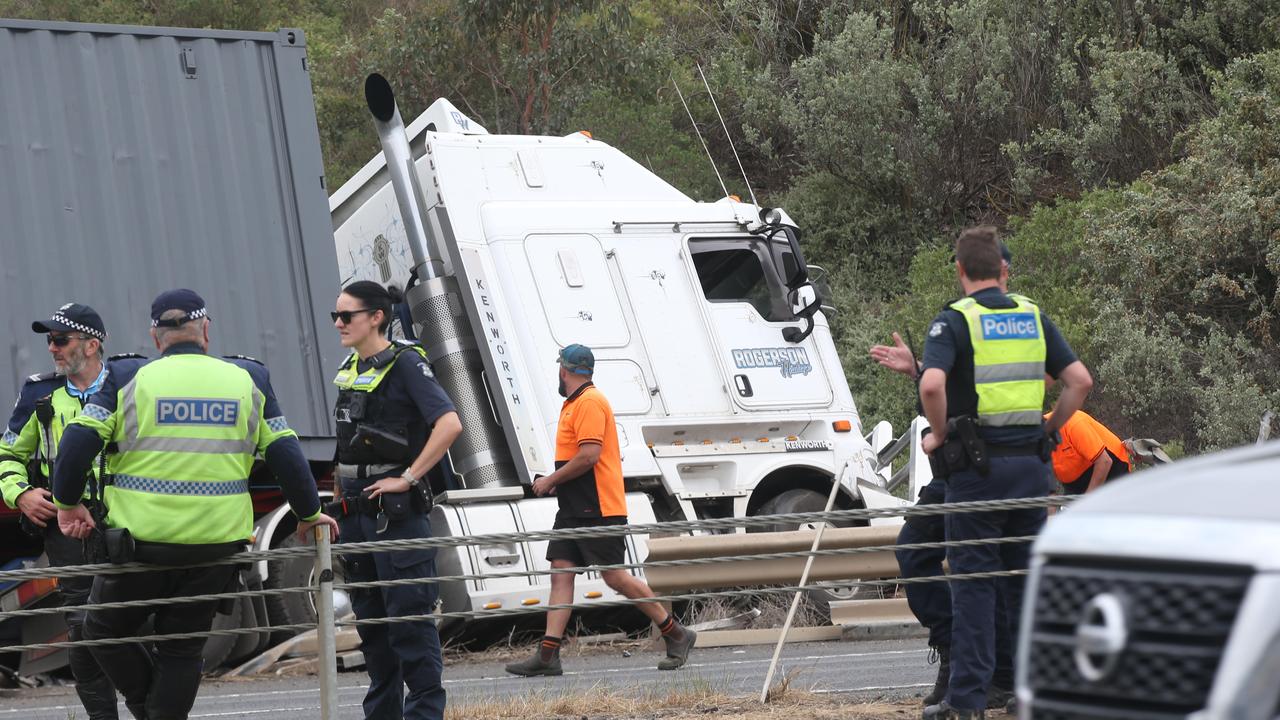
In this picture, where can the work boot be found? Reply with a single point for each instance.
(536, 665)
(941, 655)
(944, 711)
(998, 698)
(678, 650)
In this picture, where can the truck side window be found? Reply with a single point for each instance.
(733, 271)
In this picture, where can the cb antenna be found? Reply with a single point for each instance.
(716, 105)
(698, 132)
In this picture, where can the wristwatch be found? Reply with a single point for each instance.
(408, 476)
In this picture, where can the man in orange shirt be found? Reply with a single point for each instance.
(588, 484)
(1088, 455)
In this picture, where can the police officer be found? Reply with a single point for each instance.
(931, 602)
(187, 427)
(47, 402)
(982, 390)
(395, 424)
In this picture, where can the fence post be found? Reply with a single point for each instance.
(804, 580)
(328, 660)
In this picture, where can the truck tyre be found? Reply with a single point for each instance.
(297, 608)
(797, 500)
(291, 608)
(800, 500)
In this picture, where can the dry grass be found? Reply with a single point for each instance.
(773, 610)
(697, 701)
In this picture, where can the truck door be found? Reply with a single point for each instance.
(581, 305)
(747, 305)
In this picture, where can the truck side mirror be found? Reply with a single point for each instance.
(793, 271)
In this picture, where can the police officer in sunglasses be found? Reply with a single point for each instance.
(47, 402)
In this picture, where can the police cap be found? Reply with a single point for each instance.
(191, 304)
(73, 317)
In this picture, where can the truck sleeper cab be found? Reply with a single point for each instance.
(723, 376)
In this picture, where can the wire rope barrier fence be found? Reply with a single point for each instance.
(325, 582)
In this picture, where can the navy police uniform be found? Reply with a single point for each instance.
(181, 495)
(386, 407)
(1018, 468)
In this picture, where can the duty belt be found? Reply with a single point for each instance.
(366, 471)
(352, 505)
(1013, 450)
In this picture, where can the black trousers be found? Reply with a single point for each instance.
(96, 692)
(397, 655)
(931, 602)
(160, 685)
(1119, 468)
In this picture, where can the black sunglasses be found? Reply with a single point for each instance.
(61, 340)
(346, 315)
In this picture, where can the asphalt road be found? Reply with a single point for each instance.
(891, 669)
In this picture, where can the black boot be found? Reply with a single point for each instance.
(944, 711)
(942, 655)
(998, 698)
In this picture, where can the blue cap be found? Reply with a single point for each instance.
(181, 299)
(73, 317)
(578, 359)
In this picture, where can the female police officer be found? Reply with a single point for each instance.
(394, 424)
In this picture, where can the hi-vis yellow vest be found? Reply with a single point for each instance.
(1008, 361)
(187, 427)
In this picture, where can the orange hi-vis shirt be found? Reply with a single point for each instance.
(1084, 439)
(586, 417)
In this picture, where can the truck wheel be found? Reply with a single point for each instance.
(800, 500)
(297, 608)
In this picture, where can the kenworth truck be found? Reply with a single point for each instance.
(708, 337)
(141, 159)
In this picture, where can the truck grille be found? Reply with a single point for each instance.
(1179, 618)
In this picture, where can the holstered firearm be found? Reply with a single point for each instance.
(966, 430)
(961, 450)
(104, 544)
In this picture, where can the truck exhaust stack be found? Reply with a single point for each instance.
(480, 454)
(395, 147)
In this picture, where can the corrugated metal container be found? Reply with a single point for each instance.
(133, 160)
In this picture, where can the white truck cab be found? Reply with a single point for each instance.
(722, 373)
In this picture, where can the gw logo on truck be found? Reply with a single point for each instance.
(196, 411)
(1017, 326)
(791, 361)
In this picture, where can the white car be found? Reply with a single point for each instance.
(1159, 597)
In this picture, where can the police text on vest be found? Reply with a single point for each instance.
(1012, 326)
(196, 411)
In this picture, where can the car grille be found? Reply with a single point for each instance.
(1179, 618)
